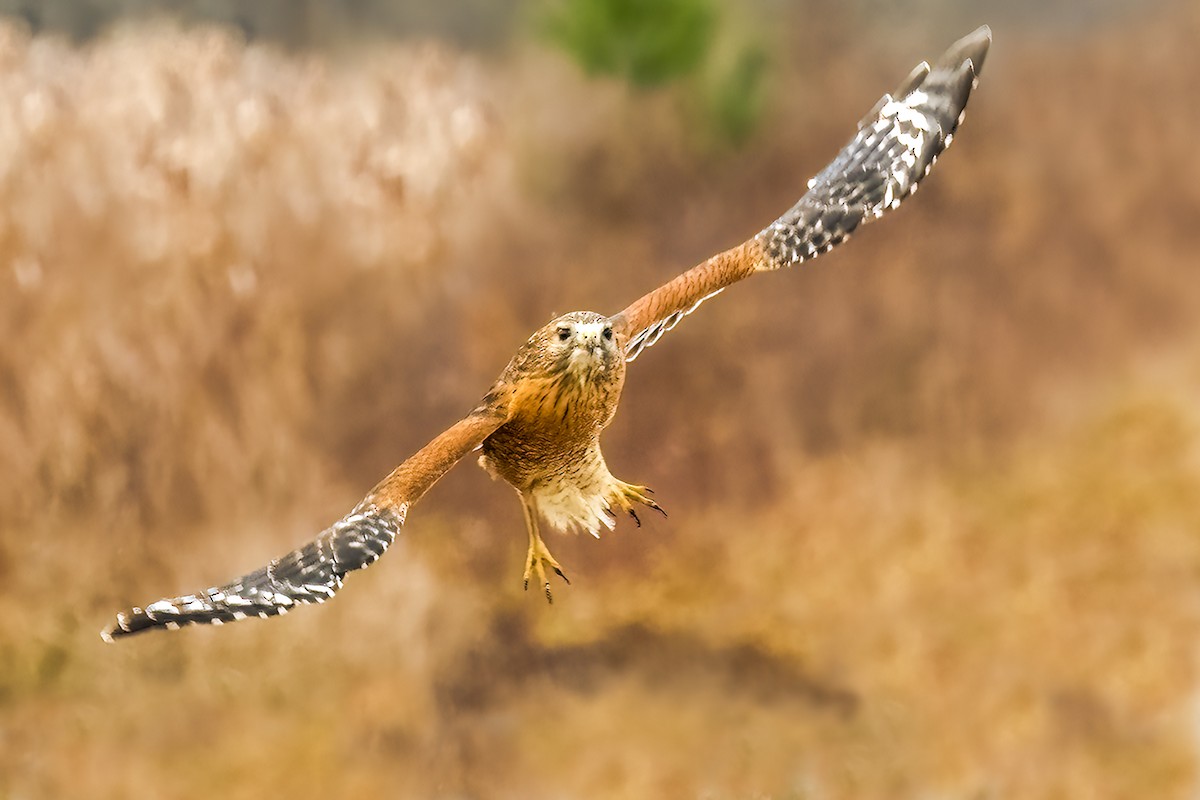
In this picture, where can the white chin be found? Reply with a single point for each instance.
(584, 361)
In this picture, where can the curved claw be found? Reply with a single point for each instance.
(629, 494)
(536, 562)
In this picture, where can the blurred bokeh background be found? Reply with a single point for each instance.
(935, 498)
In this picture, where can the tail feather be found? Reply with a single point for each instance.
(311, 574)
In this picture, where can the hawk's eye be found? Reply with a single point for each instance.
(564, 334)
(608, 334)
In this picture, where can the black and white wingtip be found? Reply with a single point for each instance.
(311, 574)
(893, 150)
(972, 49)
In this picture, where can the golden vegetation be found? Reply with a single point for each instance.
(934, 521)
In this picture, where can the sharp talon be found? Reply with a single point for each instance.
(538, 562)
(610, 512)
(633, 514)
(648, 489)
(659, 509)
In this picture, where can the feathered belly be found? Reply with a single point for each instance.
(578, 497)
(550, 451)
(571, 487)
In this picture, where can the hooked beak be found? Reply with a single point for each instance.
(588, 352)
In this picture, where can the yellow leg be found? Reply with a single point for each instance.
(539, 556)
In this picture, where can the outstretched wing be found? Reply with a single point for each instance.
(313, 573)
(895, 147)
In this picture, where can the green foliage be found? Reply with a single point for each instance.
(734, 96)
(651, 44)
(645, 43)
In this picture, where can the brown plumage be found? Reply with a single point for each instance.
(539, 426)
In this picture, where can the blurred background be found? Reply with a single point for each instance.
(935, 498)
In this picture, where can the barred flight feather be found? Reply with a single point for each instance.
(896, 145)
(311, 574)
(895, 148)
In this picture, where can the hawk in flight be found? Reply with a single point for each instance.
(538, 427)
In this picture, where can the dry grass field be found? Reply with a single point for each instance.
(934, 500)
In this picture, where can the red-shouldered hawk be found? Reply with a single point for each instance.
(539, 426)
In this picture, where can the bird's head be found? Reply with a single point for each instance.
(582, 343)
